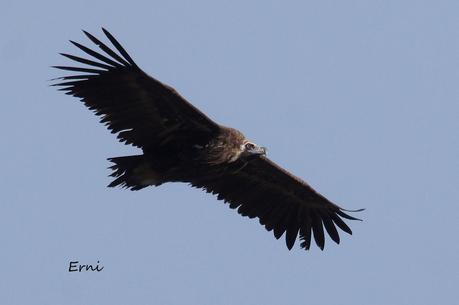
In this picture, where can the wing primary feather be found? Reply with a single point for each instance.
(106, 49)
(330, 227)
(305, 233)
(71, 83)
(304, 219)
(280, 224)
(352, 211)
(305, 237)
(292, 231)
(81, 76)
(278, 231)
(79, 69)
(318, 231)
(68, 90)
(340, 223)
(100, 56)
(87, 61)
(119, 47)
(344, 215)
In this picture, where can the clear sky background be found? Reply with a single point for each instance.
(359, 98)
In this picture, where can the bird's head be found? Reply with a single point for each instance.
(249, 149)
(230, 146)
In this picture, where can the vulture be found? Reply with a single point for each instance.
(179, 143)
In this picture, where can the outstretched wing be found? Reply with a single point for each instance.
(281, 201)
(140, 109)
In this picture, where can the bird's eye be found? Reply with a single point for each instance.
(249, 146)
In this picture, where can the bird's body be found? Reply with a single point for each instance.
(181, 144)
(171, 163)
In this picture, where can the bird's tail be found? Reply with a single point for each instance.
(133, 172)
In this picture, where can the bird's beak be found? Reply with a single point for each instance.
(258, 151)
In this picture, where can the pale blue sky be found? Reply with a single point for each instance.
(359, 98)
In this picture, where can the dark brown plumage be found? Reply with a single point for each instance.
(181, 144)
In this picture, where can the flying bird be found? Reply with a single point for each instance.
(179, 143)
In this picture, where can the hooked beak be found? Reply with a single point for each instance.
(257, 151)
